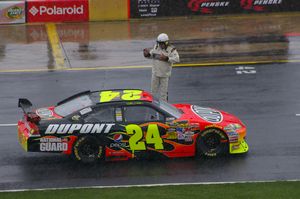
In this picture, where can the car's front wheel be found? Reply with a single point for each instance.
(212, 143)
(87, 149)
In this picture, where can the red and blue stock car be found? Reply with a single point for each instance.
(126, 124)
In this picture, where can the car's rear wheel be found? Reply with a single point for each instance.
(88, 149)
(212, 143)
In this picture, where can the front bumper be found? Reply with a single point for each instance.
(239, 147)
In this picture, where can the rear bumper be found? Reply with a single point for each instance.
(23, 135)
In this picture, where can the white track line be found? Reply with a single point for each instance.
(297, 114)
(150, 185)
(5, 125)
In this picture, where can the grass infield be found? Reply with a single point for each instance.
(263, 190)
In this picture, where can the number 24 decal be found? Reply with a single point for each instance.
(107, 96)
(152, 137)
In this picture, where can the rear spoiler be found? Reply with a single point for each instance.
(24, 104)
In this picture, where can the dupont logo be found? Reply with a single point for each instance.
(55, 10)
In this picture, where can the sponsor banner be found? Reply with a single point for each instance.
(57, 11)
(12, 12)
(154, 8)
(270, 5)
(66, 32)
(165, 8)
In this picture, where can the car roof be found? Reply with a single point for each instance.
(113, 95)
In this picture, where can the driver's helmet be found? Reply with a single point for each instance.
(163, 38)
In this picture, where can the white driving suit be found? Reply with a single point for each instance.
(161, 70)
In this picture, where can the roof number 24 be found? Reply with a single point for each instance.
(107, 96)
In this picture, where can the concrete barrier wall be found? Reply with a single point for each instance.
(109, 10)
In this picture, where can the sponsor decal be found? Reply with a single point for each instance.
(119, 116)
(188, 136)
(217, 131)
(44, 10)
(85, 111)
(213, 126)
(178, 123)
(259, 5)
(185, 134)
(57, 11)
(180, 132)
(206, 6)
(207, 114)
(118, 145)
(81, 128)
(15, 12)
(44, 113)
(53, 144)
(172, 135)
(148, 8)
(12, 12)
(117, 138)
(233, 136)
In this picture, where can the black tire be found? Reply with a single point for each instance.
(212, 143)
(87, 149)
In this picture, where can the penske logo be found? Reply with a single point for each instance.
(215, 4)
(81, 128)
(206, 6)
(267, 2)
(56, 10)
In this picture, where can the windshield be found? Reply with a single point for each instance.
(169, 108)
(73, 105)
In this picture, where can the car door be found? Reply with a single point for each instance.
(103, 119)
(146, 127)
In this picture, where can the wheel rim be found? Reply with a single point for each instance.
(212, 141)
(89, 150)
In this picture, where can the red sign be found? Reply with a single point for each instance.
(57, 10)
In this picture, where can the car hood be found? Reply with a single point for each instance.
(206, 114)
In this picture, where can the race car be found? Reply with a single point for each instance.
(123, 124)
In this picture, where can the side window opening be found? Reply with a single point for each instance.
(101, 114)
(142, 114)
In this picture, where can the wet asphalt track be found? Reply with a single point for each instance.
(266, 101)
(265, 97)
